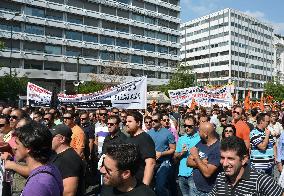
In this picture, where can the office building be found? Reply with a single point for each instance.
(279, 58)
(229, 46)
(50, 41)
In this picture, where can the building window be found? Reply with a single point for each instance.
(91, 6)
(163, 10)
(137, 45)
(52, 49)
(90, 53)
(70, 67)
(76, 3)
(122, 28)
(136, 72)
(122, 13)
(150, 74)
(124, 1)
(162, 36)
(54, 15)
(7, 44)
(162, 62)
(136, 59)
(138, 3)
(34, 11)
(74, 19)
(150, 6)
(108, 56)
(33, 29)
(149, 60)
(53, 32)
(149, 47)
(163, 49)
(88, 69)
(137, 31)
(33, 46)
(173, 51)
(108, 10)
(73, 35)
(11, 7)
(72, 51)
(108, 25)
(151, 34)
(122, 43)
(53, 66)
(106, 40)
(122, 57)
(33, 64)
(163, 23)
(150, 20)
(14, 63)
(91, 21)
(138, 17)
(90, 38)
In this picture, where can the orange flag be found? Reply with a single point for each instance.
(247, 101)
(261, 105)
(193, 104)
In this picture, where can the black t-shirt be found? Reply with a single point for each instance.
(138, 190)
(90, 134)
(119, 138)
(71, 165)
(147, 150)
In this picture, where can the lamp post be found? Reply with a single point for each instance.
(11, 41)
(78, 70)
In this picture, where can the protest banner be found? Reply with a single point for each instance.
(129, 95)
(203, 96)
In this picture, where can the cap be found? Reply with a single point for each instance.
(61, 129)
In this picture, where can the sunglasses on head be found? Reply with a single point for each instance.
(188, 126)
(238, 113)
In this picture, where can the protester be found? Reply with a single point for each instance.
(119, 168)
(238, 178)
(185, 143)
(147, 123)
(166, 123)
(205, 159)
(145, 145)
(68, 162)
(78, 135)
(101, 130)
(262, 143)
(33, 145)
(123, 127)
(115, 135)
(165, 147)
(48, 120)
(229, 131)
(242, 129)
(89, 134)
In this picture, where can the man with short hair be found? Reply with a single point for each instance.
(101, 130)
(90, 135)
(33, 145)
(145, 144)
(38, 117)
(263, 148)
(147, 123)
(205, 159)
(115, 135)
(123, 128)
(185, 143)
(119, 168)
(78, 135)
(48, 120)
(242, 129)
(238, 178)
(68, 161)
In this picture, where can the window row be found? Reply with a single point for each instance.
(223, 53)
(223, 34)
(252, 57)
(207, 47)
(254, 49)
(253, 76)
(242, 64)
(245, 37)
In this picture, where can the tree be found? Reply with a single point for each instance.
(90, 87)
(276, 90)
(182, 78)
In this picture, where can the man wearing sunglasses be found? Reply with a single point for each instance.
(185, 143)
(101, 130)
(115, 135)
(166, 123)
(242, 129)
(165, 146)
(147, 123)
(119, 168)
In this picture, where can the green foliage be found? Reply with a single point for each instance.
(276, 90)
(11, 86)
(182, 78)
(90, 87)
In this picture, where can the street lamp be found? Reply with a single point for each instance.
(11, 40)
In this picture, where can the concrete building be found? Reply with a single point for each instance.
(229, 46)
(51, 40)
(279, 58)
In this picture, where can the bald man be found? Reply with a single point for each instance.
(205, 159)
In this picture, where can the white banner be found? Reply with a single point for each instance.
(129, 95)
(206, 97)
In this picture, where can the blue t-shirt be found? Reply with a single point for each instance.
(162, 138)
(189, 141)
(212, 153)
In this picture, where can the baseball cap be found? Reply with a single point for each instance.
(61, 129)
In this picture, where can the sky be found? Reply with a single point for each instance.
(269, 11)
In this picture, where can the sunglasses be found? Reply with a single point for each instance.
(223, 120)
(155, 120)
(83, 118)
(148, 122)
(46, 119)
(166, 120)
(103, 114)
(188, 126)
(110, 124)
(115, 112)
(67, 118)
(2, 125)
(238, 113)
(228, 131)
(14, 117)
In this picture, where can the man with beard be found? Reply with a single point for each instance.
(48, 120)
(185, 143)
(238, 178)
(118, 169)
(205, 159)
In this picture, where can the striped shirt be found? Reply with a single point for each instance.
(252, 183)
(261, 159)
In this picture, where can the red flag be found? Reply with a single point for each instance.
(193, 104)
(247, 101)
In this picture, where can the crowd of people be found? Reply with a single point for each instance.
(164, 150)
